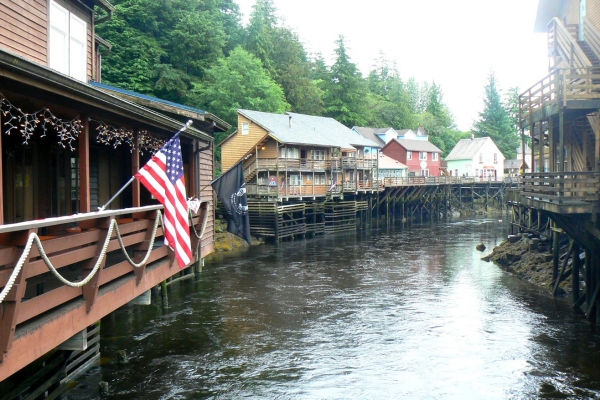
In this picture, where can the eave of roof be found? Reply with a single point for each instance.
(164, 105)
(22, 70)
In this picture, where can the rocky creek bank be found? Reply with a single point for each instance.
(530, 258)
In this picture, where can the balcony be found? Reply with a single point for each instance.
(576, 89)
(39, 311)
(561, 192)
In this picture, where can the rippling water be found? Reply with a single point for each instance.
(408, 313)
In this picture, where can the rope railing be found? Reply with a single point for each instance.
(113, 228)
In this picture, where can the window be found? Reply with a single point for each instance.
(67, 43)
(409, 155)
(423, 155)
(495, 158)
(424, 172)
(320, 179)
(480, 158)
(318, 154)
(245, 128)
(289, 152)
(434, 156)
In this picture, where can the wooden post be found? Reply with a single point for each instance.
(532, 132)
(9, 310)
(90, 290)
(551, 145)
(589, 281)
(1, 177)
(135, 167)
(561, 142)
(576, 264)
(555, 251)
(84, 166)
(541, 146)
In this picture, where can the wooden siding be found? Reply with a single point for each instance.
(571, 12)
(593, 13)
(238, 145)
(206, 176)
(24, 29)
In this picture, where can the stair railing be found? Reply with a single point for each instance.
(562, 43)
(592, 36)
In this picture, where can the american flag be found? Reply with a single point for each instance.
(163, 177)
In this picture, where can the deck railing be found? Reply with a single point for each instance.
(562, 187)
(73, 245)
(562, 42)
(438, 180)
(558, 88)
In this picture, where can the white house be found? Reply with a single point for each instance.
(477, 157)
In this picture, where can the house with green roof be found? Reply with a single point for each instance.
(296, 155)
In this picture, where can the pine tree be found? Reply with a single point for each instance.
(346, 91)
(494, 121)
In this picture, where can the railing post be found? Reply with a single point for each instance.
(9, 309)
(90, 290)
(140, 249)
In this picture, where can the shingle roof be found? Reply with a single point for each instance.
(371, 133)
(466, 149)
(308, 130)
(386, 162)
(512, 164)
(417, 145)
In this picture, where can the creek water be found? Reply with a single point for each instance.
(410, 312)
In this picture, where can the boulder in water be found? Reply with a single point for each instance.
(480, 247)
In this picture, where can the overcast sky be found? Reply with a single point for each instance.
(457, 43)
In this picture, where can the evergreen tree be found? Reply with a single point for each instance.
(239, 81)
(345, 97)
(494, 121)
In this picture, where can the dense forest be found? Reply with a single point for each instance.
(198, 53)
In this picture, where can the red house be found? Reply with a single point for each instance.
(422, 157)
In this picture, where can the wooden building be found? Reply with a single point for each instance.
(422, 157)
(67, 146)
(293, 155)
(561, 114)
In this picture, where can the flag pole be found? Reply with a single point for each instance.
(187, 125)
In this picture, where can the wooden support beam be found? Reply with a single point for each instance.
(551, 145)
(9, 309)
(576, 266)
(562, 270)
(135, 167)
(1, 177)
(84, 166)
(90, 290)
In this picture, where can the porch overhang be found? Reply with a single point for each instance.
(16, 71)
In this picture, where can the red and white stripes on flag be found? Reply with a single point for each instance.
(163, 177)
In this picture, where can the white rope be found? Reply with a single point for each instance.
(204, 223)
(33, 237)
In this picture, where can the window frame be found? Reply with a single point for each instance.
(69, 41)
(434, 156)
(245, 128)
(423, 155)
(409, 155)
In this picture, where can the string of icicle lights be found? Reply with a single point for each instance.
(16, 120)
(26, 123)
(112, 136)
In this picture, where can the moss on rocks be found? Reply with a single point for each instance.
(533, 265)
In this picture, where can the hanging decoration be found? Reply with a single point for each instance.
(149, 143)
(26, 123)
(111, 136)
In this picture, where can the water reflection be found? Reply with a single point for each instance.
(406, 313)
